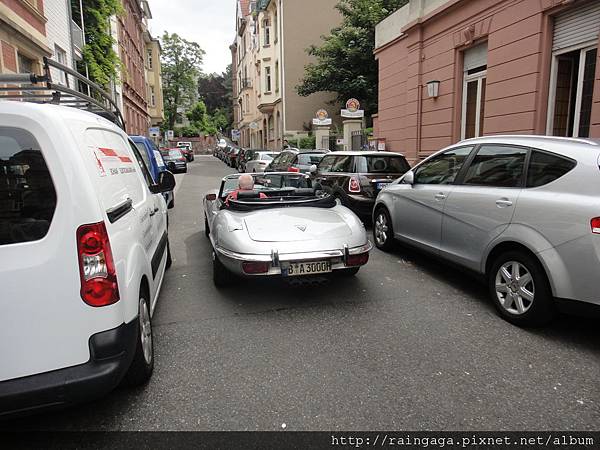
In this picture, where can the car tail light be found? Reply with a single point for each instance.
(596, 225)
(357, 260)
(96, 266)
(293, 169)
(255, 267)
(354, 185)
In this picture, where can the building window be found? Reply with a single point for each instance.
(152, 97)
(271, 128)
(571, 92)
(26, 64)
(275, 31)
(474, 89)
(267, 79)
(61, 57)
(149, 58)
(276, 76)
(267, 32)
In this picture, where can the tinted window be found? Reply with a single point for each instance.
(27, 194)
(143, 153)
(498, 166)
(545, 168)
(382, 164)
(444, 168)
(142, 162)
(310, 158)
(342, 164)
(326, 163)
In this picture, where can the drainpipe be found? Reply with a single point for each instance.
(420, 93)
(282, 68)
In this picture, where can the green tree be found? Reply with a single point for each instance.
(181, 66)
(345, 63)
(102, 61)
(217, 93)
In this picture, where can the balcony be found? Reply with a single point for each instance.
(78, 41)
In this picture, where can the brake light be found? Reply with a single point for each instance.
(255, 267)
(596, 225)
(293, 169)
(354, 185)
(357, 260)
(96, 266)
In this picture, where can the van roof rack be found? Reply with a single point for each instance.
(35, 88)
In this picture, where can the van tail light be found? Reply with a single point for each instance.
(357, 260)
(96, 266)
(354, 185)
(254, 268)
(596, 225)
(293, 169)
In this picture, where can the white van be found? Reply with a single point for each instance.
(83, 250)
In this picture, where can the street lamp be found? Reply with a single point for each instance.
(433, 89)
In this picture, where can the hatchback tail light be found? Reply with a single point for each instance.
(354, 185)
(596, 225)
(357, 260)
(293, 169)
(255, 267)
(96, 266)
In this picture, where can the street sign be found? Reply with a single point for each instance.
(170, 135)
(235, 135)
(154, 131)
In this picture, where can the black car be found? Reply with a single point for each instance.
(294, 160)
(355, 178)
(175, 160)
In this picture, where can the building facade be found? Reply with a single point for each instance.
(455, 69)
(153, 73)
(23, 36)
(270, 56)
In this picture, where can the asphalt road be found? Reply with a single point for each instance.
(408, 344)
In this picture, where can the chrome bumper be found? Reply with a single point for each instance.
(338, 258)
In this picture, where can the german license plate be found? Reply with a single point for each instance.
(296, 269)
(383, 185)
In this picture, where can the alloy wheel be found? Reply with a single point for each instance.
(515, 288)
(145, 331)
(381, 229)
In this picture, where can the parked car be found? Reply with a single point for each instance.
(290, 233)
(520, 210)
(175, 161)
(155, 163)
(355, 178)
(259, 162)
(294, 160)
(232, 157)
(85, 227)
(187, 150)
(222, 143)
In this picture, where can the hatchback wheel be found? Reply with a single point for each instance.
(520, 290)
(383, 232)
(142, 365)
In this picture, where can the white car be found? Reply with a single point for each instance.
(222, 143)
(260, 161)
(83, 251)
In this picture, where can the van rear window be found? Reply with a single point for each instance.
(27, 194)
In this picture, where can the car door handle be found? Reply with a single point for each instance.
(440, 196)
(504, 203)
(153, 213)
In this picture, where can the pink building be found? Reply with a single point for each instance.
(455, 69)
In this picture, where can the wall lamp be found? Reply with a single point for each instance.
(433, 89)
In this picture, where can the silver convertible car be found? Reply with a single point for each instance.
(281, 228)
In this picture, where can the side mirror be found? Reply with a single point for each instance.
(211, 197)
(166, 183)
(409, 178)
(313, 168)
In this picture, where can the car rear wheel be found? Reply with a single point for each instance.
(222, 277)
(142, 365)
(520, 290)
(383, 233)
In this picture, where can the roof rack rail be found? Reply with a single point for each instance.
(34, 88)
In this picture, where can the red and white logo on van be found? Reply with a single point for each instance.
(112, 153)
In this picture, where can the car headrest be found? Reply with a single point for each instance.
(304, 192)
(245, 195)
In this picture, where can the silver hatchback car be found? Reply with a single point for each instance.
(522, 210)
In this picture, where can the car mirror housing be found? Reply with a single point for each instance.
(166, 183)
(409, 178)
(313, 168)
(211, 197)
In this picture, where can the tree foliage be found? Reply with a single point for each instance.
(216, 91)
(102, 62)
(181, 66)
(345, 63)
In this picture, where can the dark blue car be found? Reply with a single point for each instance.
(154, 161)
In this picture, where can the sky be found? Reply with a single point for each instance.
(210, 23)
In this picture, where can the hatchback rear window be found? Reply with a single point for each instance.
(310, 158)
(382, 164)
(545, 168)
(27, 194)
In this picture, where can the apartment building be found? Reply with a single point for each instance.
(269, 56)
(455, 69)
(153, 73)
(23, 36)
